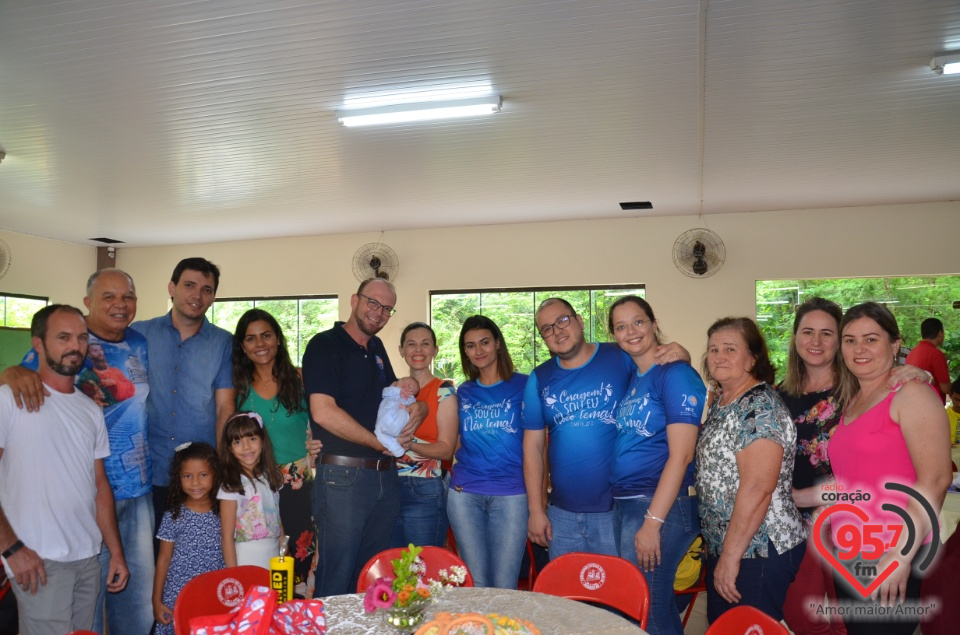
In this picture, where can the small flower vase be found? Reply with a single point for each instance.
(406, 619)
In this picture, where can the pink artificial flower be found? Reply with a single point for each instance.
(379, 595)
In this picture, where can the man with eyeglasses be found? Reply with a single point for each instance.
(573, 397)
(356, 496)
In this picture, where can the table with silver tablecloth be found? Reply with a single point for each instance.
(552, 615)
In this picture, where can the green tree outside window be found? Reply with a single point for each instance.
(911, 299)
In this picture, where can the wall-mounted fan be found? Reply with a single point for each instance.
(699, 253)
(376, 260)
(5, 258)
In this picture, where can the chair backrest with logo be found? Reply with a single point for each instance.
(214, 593)
(591, 577)
(436, 558)
(746, 620)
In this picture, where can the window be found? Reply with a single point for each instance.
(300, 317)
(911, 300)
(17, 310)
(513, 310)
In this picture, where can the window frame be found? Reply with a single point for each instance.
(280, 298)
(594, 322)
(21, 296)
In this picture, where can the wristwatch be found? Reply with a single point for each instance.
(14, 548)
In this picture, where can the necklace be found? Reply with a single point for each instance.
(819, 385)
(863, 402)
(736, 395)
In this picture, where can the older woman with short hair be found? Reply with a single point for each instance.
(754, 536)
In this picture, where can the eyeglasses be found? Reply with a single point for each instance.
(378, 306)
(562, 322)
(620, 328)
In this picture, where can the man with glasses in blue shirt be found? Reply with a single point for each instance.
(356, 496)
(573, 397)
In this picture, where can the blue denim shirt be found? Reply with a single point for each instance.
(184, 375)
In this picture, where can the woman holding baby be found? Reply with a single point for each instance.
(424, 468)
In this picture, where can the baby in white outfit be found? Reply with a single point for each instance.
(392, 415)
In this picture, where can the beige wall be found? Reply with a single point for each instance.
(51, 268)
(875, 241)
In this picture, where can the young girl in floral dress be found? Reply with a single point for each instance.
(189, 531)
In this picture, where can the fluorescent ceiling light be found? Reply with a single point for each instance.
(429, 111)
(946, 64)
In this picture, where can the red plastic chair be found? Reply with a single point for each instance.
(526, 583)
(746, 620)
(436, 558)
(214, 593)
(591, 577)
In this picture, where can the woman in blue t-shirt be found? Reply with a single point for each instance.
(487, 504)
(655, 518)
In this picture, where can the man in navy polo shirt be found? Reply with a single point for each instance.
(356, 496)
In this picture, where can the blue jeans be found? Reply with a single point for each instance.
(423, 513)
(130, 610)
(491, 534)
(762, 582)
(354, 509)
(681, 528)
(581, 531)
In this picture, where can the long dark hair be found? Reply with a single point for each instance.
(796, 369)
(176, 497)
(290, 392)
(763, 369)
(240, 425)
(849, 385)
(504, 361)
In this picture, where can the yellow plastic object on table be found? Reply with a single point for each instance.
(281, 574)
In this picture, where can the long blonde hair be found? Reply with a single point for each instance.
(796, 369)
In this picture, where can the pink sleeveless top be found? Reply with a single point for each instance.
(865, 455)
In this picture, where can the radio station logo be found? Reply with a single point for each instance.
(859, 548)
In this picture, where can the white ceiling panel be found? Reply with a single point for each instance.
(157, 122)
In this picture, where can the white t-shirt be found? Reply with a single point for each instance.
(47, 472)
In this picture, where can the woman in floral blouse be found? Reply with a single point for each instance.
(813, 365)
(808, 392)
(754, 536)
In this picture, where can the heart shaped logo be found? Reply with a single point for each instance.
(825, 551)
